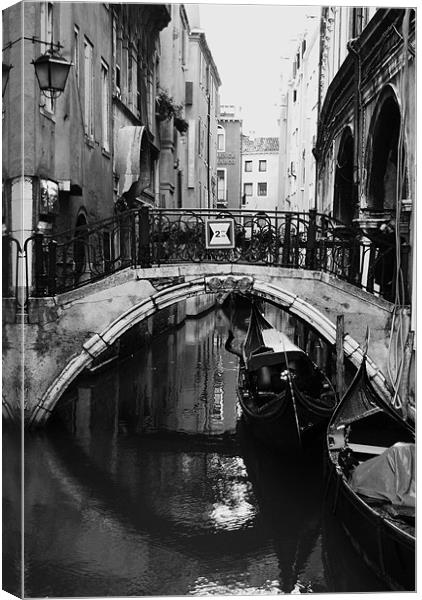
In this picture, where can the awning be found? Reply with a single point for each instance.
(128, 163)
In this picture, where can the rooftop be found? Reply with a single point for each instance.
(259, 144)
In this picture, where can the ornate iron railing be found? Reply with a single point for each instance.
(153, 236)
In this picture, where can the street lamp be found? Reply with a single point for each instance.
(5, 76)
(51, 71)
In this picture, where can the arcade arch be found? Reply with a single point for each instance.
(343, 205)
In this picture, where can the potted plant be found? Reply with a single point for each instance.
(181, 124)
(166, 108)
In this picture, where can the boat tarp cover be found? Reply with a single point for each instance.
(267, 359)
(389, 476)
(266, 346)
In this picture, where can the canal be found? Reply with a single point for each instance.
(146, 482)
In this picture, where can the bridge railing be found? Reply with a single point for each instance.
(152, 236)
(287, 239)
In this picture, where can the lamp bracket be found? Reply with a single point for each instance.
(53, 45)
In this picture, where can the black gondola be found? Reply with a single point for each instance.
(370, 481)
(284, 396)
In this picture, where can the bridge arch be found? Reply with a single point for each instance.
(173, 294)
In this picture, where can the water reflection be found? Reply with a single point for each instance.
(177, 383)
(146, 483)
(289, 494)
(11, 514)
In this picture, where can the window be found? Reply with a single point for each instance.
(116, 53)
(76, 52)
(248, 166)
(262, 189)
(183, 48)
(201, 138)
(129, 78)
(47, 22)
(105, 106)
(207, 78)
(262, 165)
(356, 21)
(134, 83)
(208, 146)
(247, 189)
(294, 95)
(221, 185)
(89, 88)
(132, 97)
(125, 65)
(201, 68)
(118, 80)
(221, 139)
(150, 99)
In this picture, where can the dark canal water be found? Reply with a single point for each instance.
(148, 484)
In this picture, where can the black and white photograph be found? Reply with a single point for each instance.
(209, 271)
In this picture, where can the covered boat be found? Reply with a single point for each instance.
(283, 394)
(371, 481)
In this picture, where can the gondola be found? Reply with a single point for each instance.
(284, 396)
(371, 481)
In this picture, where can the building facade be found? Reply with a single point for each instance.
(366, 157)
(340, 26)
(66, 142)
(366, 139)
(229, 162)
(201, 111)
(136, 131)
(173, 71)
(298, 124)
(260, 173)
(70, 161)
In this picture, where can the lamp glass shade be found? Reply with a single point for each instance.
(59, 70)
(51, 72)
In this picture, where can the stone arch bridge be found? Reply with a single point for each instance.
(66, 332)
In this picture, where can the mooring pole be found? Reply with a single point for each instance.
(340, 355)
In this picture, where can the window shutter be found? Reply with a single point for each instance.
(188, 93)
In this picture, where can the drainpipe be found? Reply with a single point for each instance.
(208, 149)
(354, 47)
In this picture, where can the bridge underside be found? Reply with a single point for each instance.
(66, 333)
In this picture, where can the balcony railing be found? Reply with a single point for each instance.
(152, 236)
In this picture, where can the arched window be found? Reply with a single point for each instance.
(383, 159)
(221, 139)
(343, 205)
